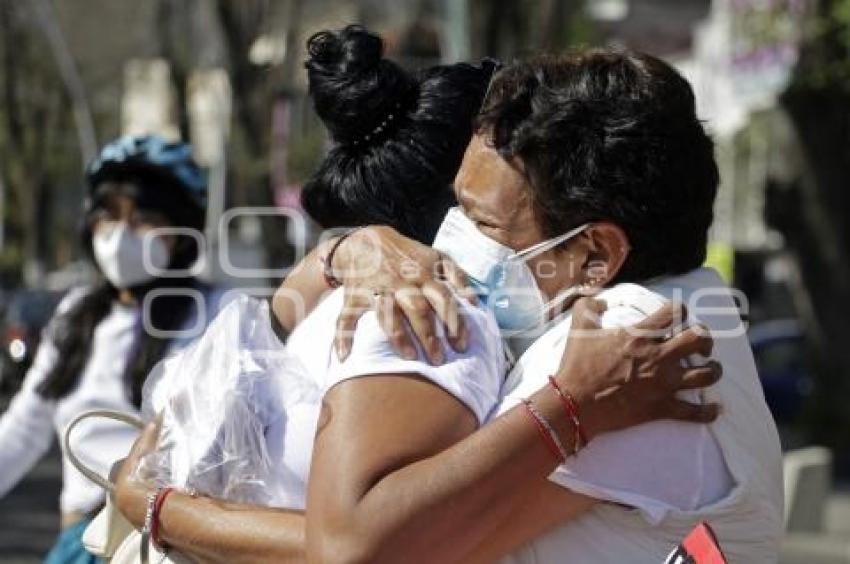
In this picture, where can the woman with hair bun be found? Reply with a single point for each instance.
(424, 484)
(398, 140)
(393, 159)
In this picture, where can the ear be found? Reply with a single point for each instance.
(608, 246)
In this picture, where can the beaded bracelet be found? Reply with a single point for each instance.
(547, 432)
(571, 410)
(144, 549)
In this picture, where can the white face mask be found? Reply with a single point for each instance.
(500, 275)
(120, 254)
(459, 239)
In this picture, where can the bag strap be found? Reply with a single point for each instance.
(131, 420)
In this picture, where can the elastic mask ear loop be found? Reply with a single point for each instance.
(562, 297)
(540, 248)
(543, 246)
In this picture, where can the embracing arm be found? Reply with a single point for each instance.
(544, 507)
(209, 530)
(389, 478)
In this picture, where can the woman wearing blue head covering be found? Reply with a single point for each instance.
(99, 347)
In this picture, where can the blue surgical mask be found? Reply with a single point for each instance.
(500, 275)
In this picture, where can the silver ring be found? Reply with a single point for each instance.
(378, 293)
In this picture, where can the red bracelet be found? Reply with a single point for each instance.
(571, 409)
(157, 507)
(547, 433)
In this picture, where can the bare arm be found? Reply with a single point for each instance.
(303, 289)
(545, 506)
(388, 481)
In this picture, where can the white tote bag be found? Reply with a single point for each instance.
(110, 536)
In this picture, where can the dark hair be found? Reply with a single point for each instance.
(398, 137)
(73, 331)
(607, 135)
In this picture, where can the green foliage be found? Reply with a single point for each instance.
(825, 63)
(580, 31)
(840, 15)
(38, 148)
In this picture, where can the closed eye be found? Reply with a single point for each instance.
(485, 224)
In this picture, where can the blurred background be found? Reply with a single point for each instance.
(772, 80)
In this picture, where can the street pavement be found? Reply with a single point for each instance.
(29, 514)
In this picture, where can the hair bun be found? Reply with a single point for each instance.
(349, 51)
(354, 89)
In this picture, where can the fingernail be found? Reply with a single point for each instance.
(409, 353)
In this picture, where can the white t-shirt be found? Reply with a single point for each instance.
(670, 464)
(669, 475)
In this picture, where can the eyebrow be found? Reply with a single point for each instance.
(478, 214)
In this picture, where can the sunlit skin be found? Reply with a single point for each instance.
(118, 208)
(495, 194)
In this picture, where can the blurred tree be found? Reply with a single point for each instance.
(255, 89)
(178, 46)
(222, 33)
(554, 22)
(508, 29)
(43, 12)
(419, 43)
(34, 153)
(814, 213)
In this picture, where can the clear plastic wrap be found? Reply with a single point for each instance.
(216, 399)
